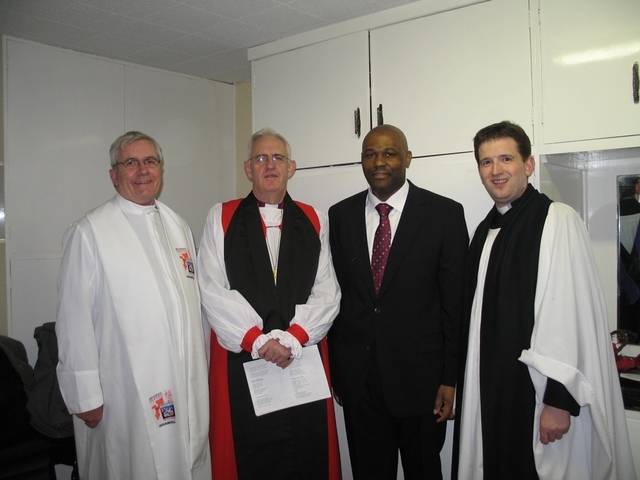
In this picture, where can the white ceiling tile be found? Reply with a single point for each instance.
(69, 12)
(136, 9)
(196, 45)
(238, 34)
(159, 57)
(282, 20)
(185, 19)
(109, 46)
(234, 10)
(335, 10)
(204, 38)
(40, 30)
(147, 33)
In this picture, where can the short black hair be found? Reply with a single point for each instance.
(504, 129)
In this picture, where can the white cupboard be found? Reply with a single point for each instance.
(313, 96)
(588, 48)
(443, 77)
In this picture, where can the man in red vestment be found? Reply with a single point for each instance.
(268, 289)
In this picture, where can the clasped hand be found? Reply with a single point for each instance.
(273, 351)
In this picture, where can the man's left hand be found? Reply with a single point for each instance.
(444, 403)
(554, 423)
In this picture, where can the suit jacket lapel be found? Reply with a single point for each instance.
(413, 215)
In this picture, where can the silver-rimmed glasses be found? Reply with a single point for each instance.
(134, 163)
(263, 159)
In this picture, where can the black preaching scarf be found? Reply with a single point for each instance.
(249, 267)
(507, 394)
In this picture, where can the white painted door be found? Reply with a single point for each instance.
(441, 78)
(588, 48)
(311, 96)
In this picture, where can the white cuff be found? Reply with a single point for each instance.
(289, 341)
(258, 343)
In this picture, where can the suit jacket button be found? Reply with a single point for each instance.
(376, 310)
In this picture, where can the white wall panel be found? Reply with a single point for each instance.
(63, 110)
(180, 113)
(34, 299)
(322, 187)
(456, 177)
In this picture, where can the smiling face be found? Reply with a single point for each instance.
(503, 171)
(385, 159)
(138, 185)
(269, 178)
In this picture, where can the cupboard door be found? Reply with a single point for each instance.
(588, 48)
(310, 96)
(441, 78)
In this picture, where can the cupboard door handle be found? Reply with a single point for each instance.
(636, 83)
(380, 116)
(356, 120)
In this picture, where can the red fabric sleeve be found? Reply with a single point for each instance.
(299, 332)
(249, 338)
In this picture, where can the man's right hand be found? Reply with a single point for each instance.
(92, 417)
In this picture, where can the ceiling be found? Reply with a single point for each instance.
(202, 38)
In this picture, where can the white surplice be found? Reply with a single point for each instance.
(570, 343)
(231, 316)
(130, 338)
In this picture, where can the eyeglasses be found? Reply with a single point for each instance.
(263, 159)
(134, 163)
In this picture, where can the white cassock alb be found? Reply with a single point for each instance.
(130, 338)
(571, 344)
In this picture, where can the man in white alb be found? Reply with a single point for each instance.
(132, 362)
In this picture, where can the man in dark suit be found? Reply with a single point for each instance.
(394, 347)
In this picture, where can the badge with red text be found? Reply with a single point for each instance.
(163, 408)
(187, 263)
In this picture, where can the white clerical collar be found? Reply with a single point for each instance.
(133, 208)
(397, 200)
(504, 209)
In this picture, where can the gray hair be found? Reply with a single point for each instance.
(127, 139)
(267, 132)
